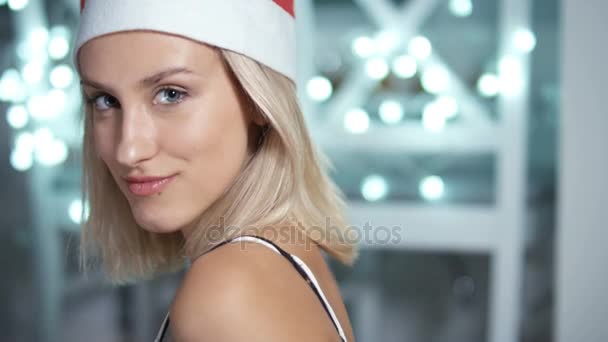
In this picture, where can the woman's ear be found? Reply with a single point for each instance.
(250, 108)
(254, 111)
(259, 118)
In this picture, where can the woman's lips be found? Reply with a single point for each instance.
(149, 186)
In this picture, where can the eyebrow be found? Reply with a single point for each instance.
(146, 82)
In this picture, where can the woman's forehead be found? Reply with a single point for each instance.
(144, 52)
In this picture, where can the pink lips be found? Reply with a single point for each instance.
(146, 186)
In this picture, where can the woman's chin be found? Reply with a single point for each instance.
(155, 223)
(162, 219)
(156, 229)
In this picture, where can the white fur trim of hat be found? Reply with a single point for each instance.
(263, 30)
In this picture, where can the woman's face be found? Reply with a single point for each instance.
(169, 123)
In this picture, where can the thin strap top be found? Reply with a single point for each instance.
(297, 263)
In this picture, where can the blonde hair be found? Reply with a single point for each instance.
(285, 181)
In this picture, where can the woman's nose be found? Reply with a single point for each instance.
(137, 139)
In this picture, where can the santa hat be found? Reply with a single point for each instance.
(263, 30)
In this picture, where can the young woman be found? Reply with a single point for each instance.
(196, 154)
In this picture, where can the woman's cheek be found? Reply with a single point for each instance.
(103, 143)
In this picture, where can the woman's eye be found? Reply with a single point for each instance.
(104, 102)
(169, 96)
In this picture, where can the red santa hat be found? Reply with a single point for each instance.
(263, 30)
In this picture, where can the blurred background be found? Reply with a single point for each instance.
(468, 135)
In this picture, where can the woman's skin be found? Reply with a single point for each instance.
(165, 105)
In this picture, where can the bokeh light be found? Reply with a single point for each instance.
(390, 111)
(488, 85)
(363, 46)
(374, 188)
(377, 68)
(319, 88)
(435, 79)
(356, 121)
(17, 116)
(17, 5)
(461, 8)
(405, 66)
(420, 47)
(431, 188)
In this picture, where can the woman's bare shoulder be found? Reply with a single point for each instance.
(245, 291)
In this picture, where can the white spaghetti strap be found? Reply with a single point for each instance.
(255, 239)
(310, 275)
(316, 284)
(163, 327)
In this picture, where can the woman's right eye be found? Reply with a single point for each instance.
(104, 102)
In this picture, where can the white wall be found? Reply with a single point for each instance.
(582, 247)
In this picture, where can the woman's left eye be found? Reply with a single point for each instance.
(169, 96)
